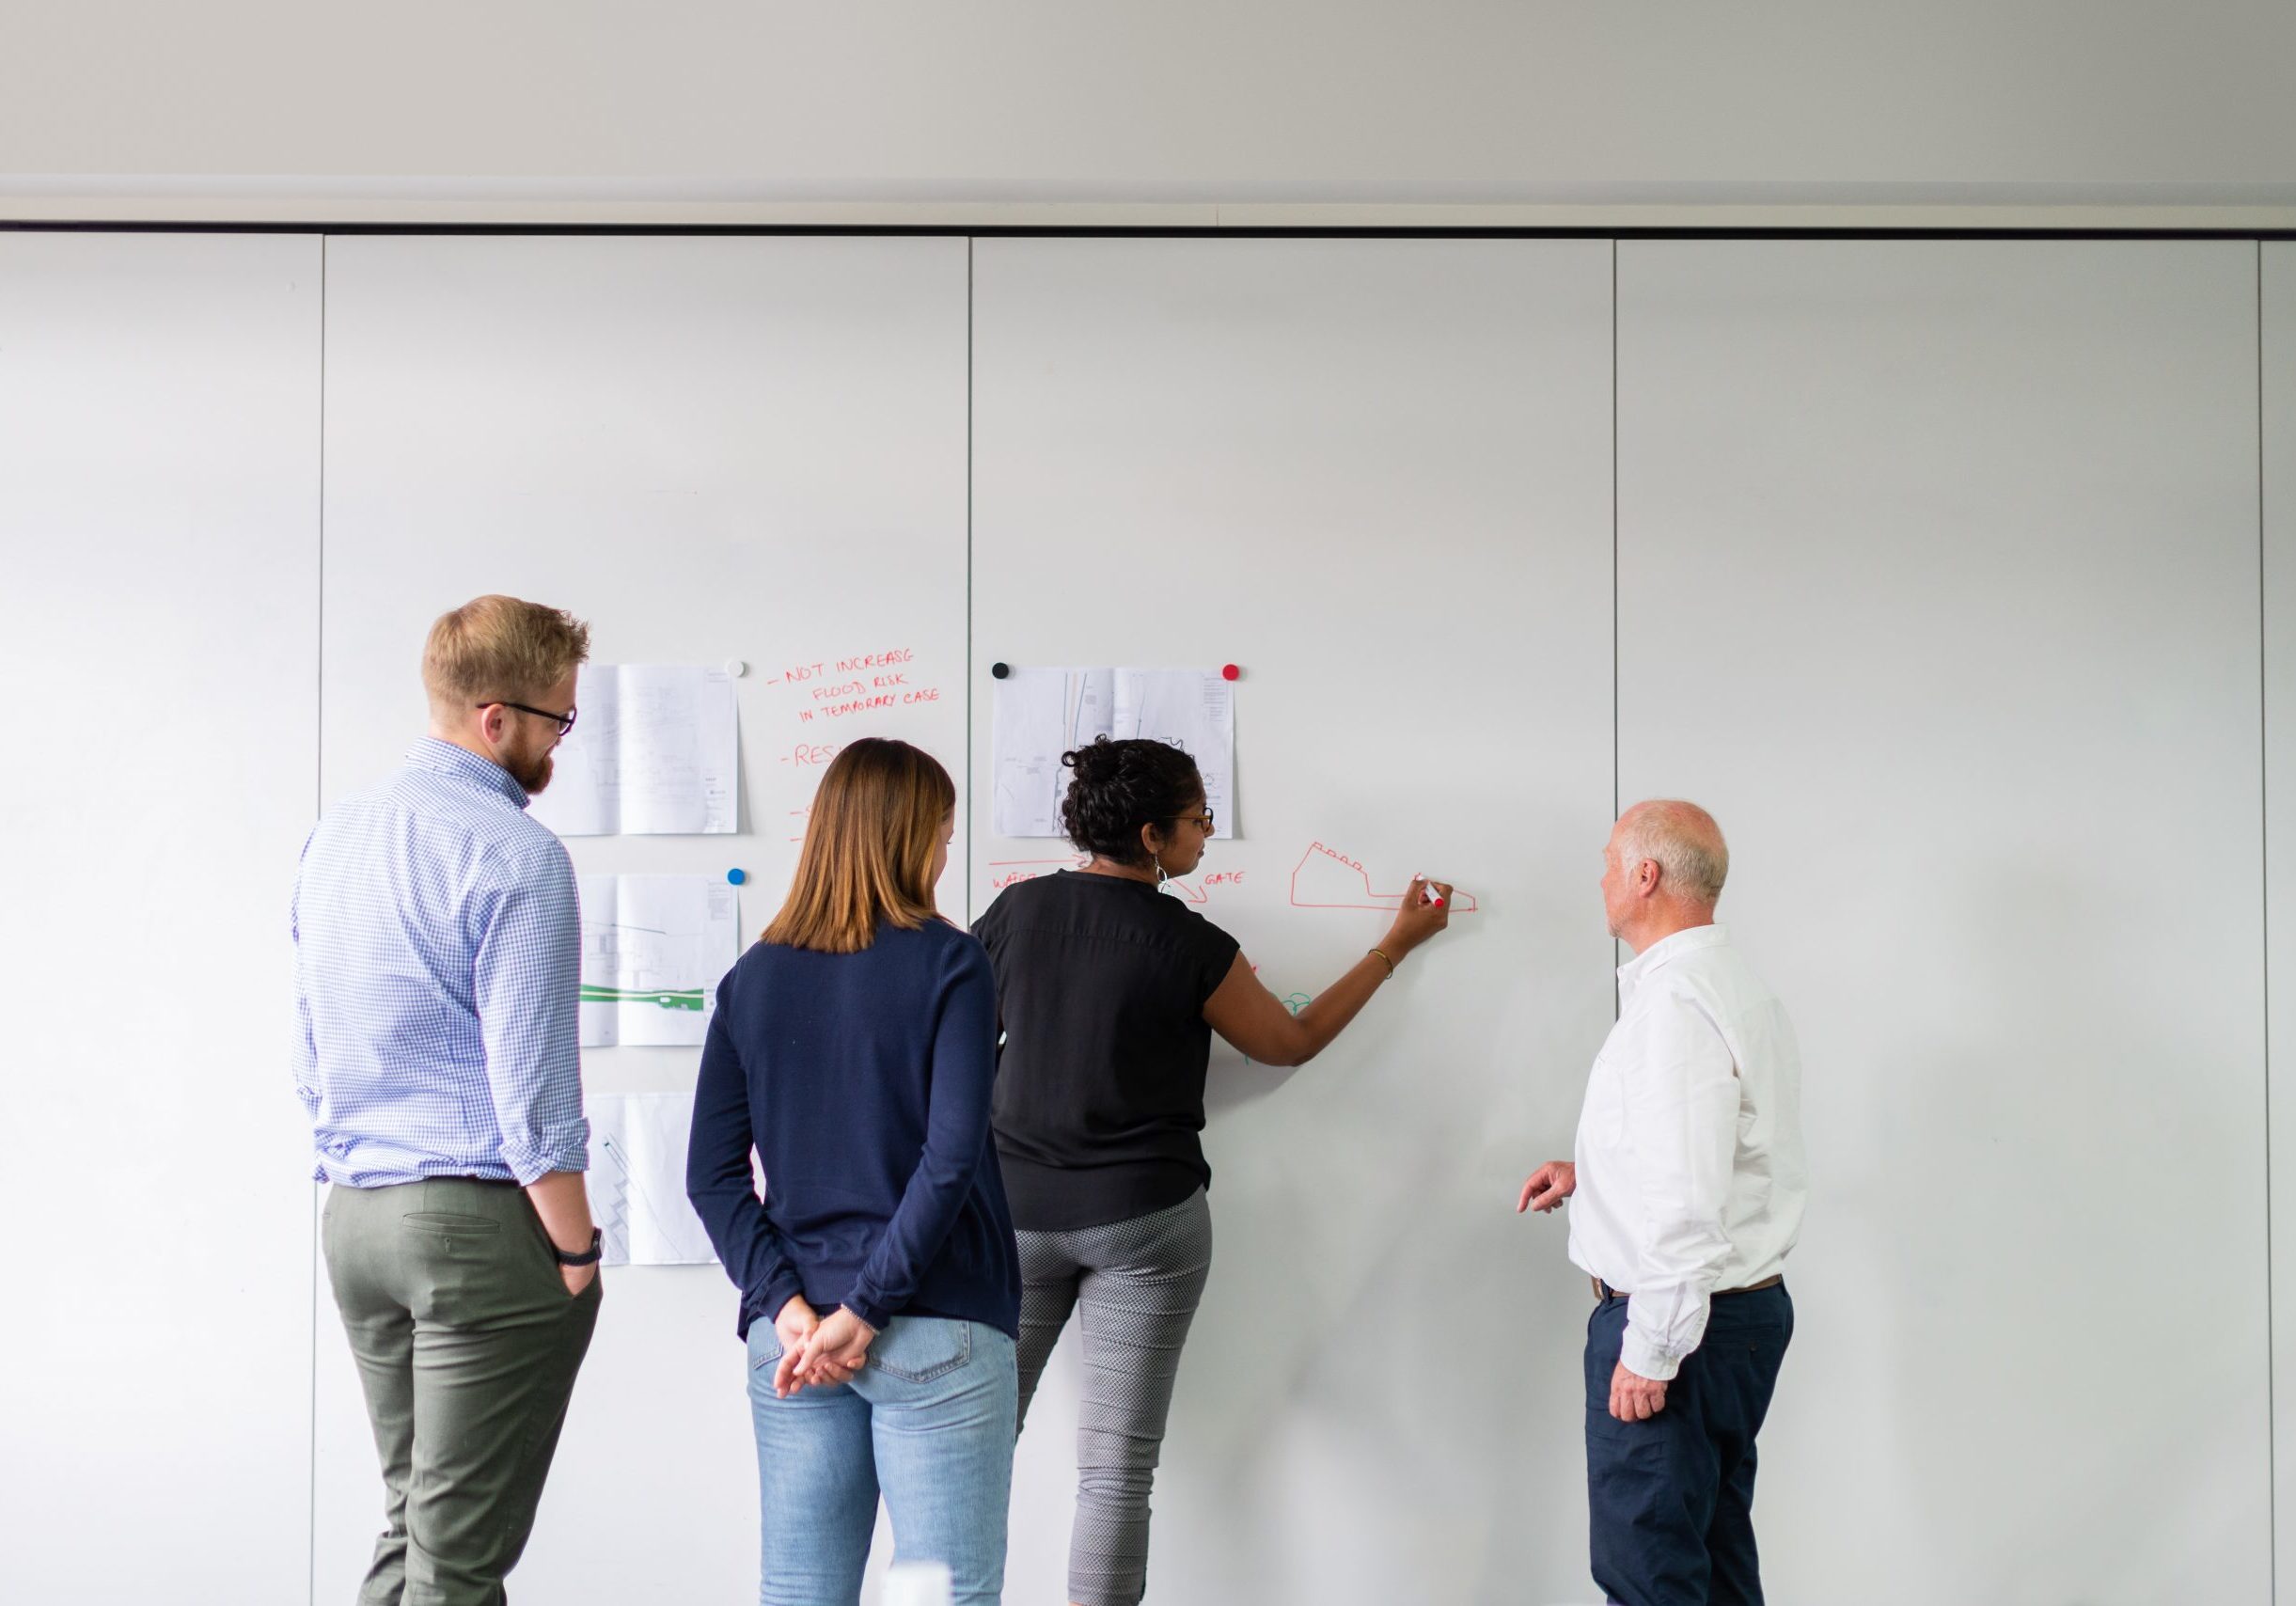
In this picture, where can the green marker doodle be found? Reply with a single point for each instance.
(693, 998)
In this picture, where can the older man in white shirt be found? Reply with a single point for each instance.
(1689, 1178)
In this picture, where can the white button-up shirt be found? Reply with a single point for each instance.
(1690, 1169)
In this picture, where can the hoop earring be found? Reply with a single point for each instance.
(1160, 876)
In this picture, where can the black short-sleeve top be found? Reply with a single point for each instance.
(1101, 982)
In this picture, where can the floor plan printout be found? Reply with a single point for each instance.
(653, 950)
(655, 752)
(1043, 713)
(637, 1180)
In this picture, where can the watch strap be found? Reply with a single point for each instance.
(590, 1256)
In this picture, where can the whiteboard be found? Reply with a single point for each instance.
(1936, 577)
(1375, 475)
(740, 448)
(1938, 582)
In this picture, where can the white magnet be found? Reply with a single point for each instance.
(736, 668)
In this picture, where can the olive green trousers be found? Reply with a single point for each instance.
(467, 1344)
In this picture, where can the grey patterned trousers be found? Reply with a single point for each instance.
(1134, 1287)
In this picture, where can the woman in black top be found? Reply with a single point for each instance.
(1109, 993)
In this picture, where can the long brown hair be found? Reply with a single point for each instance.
(868, 848)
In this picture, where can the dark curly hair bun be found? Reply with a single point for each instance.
(1117, 787)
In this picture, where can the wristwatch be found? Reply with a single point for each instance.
(589, 1256)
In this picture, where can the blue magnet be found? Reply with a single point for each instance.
(737, 876)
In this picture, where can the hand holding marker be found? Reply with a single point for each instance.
(1424, 909)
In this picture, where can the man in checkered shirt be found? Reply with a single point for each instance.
(438, 979)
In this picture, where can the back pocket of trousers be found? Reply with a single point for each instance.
(918, 1349)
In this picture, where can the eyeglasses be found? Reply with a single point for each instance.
(1204, 821)
(563, 721)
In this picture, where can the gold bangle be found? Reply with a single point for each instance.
(1384, 960)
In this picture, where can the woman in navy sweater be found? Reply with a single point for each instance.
(855, 1047)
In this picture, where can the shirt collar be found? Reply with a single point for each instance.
(1670, 948)
(445, 758)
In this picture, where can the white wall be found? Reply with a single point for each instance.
(1938, 577)
(2277, 312)
(1938, 584)
(159, 616)
(1037, 99)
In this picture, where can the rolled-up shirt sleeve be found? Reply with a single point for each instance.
(1681, 1121)
(527, 984)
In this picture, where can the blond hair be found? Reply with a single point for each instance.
(499, 649)
(1693, 860)
(868, 848)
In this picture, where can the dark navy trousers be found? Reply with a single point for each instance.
(1672, 1499)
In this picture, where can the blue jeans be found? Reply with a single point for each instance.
(929, 1423)
(1672, 1498)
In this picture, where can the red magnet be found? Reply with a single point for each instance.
(1228, 671)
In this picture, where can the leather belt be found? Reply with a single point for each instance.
(1604, 1291)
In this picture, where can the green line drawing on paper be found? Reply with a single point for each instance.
(692, 997)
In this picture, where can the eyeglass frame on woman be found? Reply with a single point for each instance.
(565, 722)
(1202, 819)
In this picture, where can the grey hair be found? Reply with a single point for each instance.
(1684, 842)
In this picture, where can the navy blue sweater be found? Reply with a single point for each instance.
(863, 1080)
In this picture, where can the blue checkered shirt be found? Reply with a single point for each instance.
(437, 980)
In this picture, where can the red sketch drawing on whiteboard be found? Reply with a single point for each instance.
(1326, 878)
